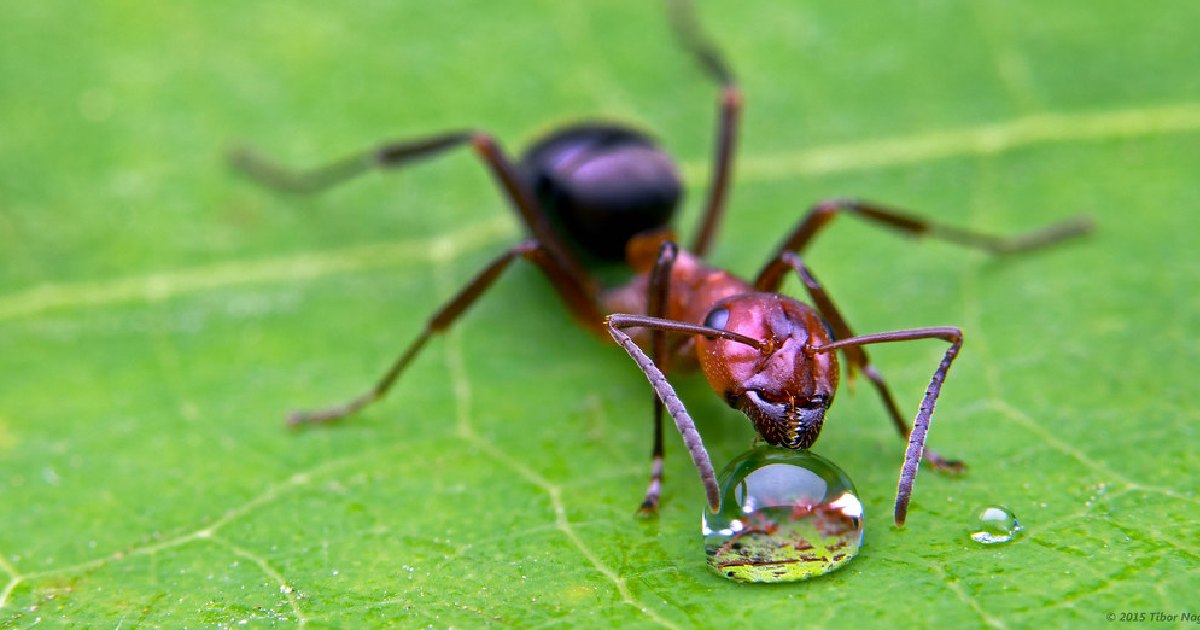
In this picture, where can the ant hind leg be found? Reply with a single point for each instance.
(405, 152)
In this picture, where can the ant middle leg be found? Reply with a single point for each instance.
(820, 215)
(579, 300)
(857, 357)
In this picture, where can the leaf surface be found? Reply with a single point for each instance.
(158, 316)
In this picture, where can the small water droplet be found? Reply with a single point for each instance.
(995, 524)
(785, 516)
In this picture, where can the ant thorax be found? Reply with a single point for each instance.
(693, 287)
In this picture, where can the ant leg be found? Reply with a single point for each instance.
(718, 191)
(657, 300)
(683, 421)
(820, 215)
(578, 300)
(697, 43)
(857, 358)
(771, 277)
(916, 440)
(271, 175)
(397, 154)
(709, 58)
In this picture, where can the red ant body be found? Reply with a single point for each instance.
(603, 191)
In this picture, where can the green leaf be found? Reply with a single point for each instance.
(158, 316)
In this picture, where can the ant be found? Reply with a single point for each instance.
(604, 192)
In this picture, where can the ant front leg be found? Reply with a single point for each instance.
(916, 438)
(403, 153)
(578, 299)
(658, 296)
(856, 357)
(662, 388)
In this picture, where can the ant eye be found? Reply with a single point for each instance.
(717, 318)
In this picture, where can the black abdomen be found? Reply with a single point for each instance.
(602, 183)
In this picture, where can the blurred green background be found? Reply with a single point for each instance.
(158, 316)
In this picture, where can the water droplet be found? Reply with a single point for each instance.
(995, 524)
(785, 516)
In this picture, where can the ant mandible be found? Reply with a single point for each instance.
(603, 191)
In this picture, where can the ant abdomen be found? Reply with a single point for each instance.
(603, 183)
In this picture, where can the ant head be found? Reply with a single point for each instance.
(783, 386)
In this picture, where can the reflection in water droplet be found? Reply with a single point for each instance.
(785, 516)
(995, 524)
